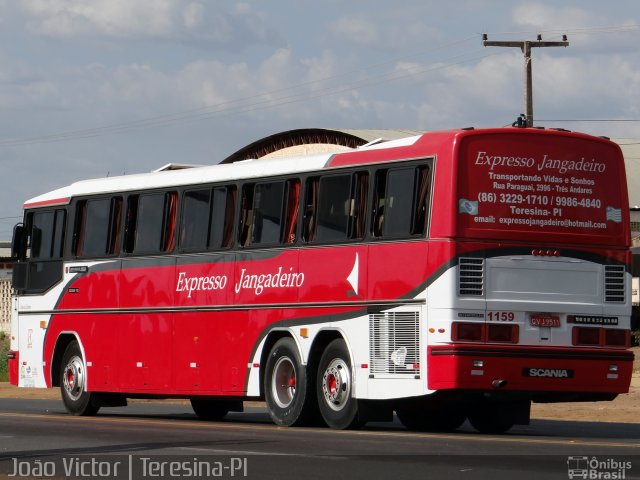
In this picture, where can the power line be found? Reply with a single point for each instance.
(590, 120)
(634, 27)
(262, 100)
(265, 100)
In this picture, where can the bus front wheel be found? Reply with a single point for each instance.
(335, 387)
(73, 383)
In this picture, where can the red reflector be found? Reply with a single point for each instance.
(467, 332)
(617, 338)
(502, 333)
(586, 336)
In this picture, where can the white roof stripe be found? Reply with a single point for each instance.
(190, 176)
(202, 175)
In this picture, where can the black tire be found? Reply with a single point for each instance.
(489, 418)
(73, 383)
(206, 409)
(287, 391)
(431, 420)
(334, 387)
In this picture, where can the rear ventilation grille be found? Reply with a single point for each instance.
(471, 276)
(614, 287)
(394, 344)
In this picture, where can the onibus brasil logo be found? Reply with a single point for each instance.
(594, 468)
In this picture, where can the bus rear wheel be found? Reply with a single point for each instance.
(73, 383)
(431, 420)
(209, 409)
(286, 388)
(335, 388)
(493, 417)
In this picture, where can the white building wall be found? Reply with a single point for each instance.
(5, 305)
(635, 227)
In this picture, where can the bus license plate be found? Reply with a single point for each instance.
(545, 320)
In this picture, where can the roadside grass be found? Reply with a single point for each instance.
(4, 349)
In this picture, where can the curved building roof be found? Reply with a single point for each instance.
(307, 141)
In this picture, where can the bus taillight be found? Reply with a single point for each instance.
(586, 336)
(484, 332)
(602, 337)
(467, 332)
(502, 333)
(617, 338)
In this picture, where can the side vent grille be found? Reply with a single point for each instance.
(614, 288)
(394, 344)
(471, 276)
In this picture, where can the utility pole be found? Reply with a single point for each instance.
(526, 46)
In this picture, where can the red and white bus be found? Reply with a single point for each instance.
(445, 276)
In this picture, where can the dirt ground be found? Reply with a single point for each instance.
(624, 409)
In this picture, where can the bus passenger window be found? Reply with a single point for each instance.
(400, 202)
(334, 208)
(151, 223)
(310, 210)
(97, 228)
(246, 216)
(267, 213)
(422, 202)
(194, 228)
(222, 214)
(359, 209)
(293, 207)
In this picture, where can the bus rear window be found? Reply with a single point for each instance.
(567, 188)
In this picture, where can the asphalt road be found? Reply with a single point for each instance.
(161, 440)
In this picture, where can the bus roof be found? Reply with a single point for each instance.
(168, 177)
(427, 144)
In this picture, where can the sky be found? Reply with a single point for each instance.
(94, 88)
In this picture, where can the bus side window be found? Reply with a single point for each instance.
(47, 234)
(377, 213)
(97, 228)
(151, 223)
(422, 201)
(222, 214)
(246, 216)
(268, 200)
(229, 217)
(334, 208)
(293, 208)
(358, 212)
(400, 202)
(194, 228)
(310, 210)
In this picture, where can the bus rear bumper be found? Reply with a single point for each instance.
(13, 360)
(532, 369)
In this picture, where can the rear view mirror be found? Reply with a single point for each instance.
(19, 243)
